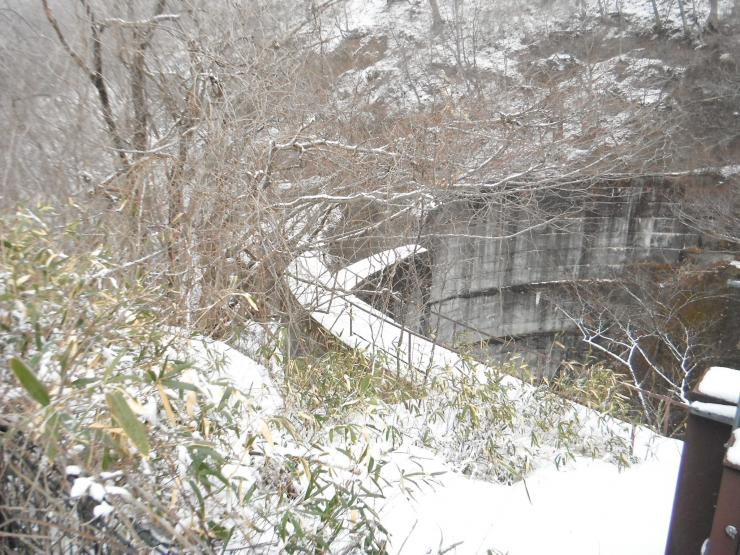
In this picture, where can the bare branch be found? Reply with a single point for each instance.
(95, 74)
(307, 145)
(117, 22)
(55, 25)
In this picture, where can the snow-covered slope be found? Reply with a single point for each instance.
(585, 507)
(583, 70)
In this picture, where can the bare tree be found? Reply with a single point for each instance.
(659, 328)
(656, 15)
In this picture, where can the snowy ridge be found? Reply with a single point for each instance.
(356, 323)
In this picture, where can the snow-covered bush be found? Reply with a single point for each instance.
(487, 428)
(479, 424)
(120, 434)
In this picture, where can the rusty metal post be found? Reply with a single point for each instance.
(725, 537)
(699, 478)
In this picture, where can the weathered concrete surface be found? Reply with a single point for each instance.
(495, 271)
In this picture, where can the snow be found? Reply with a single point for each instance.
(419, 69)
(723, 412)
(584, 507)
(632, 75)
(80, 487)
(102, 510)
(364, 14)
(730, 171)
(560, 61)
(233, 368)
(358, 325)
(97, 491)
(733, 453)
(350, 276)
(253, 338)
(72, 470)
(721, 383)
(117, 490)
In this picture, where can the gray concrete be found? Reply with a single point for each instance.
(501, 286)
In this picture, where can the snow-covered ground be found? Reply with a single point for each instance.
(589, 506)
(585, 508)
(235, 369)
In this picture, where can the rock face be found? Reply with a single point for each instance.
(497, 269)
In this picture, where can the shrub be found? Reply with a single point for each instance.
(120, 434)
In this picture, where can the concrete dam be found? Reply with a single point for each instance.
(497, 269)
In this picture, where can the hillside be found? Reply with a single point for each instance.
(360, 276)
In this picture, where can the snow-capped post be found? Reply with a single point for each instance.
(700, 486)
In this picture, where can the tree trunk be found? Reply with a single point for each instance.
(95, 74)
(658, 24)
(141, 39)
(683, 17)
(713, 20)
(437, 21)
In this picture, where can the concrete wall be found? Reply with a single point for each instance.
(493, 268)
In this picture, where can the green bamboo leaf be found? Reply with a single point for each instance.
(51, 432)
(30, 382)
(127, 420)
